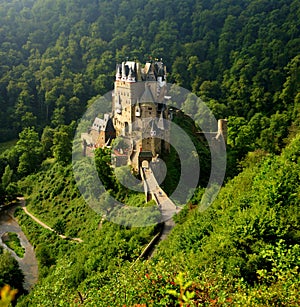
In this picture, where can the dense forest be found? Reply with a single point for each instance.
(241, 57)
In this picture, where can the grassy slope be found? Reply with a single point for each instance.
(53, 197)
(243, 249)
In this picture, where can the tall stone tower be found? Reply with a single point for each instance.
(140, 113)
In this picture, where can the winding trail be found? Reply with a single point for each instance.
(23, 206)
(28, 264)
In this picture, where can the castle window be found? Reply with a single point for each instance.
(150, 109)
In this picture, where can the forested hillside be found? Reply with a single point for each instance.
(244, 250)
(242, 58)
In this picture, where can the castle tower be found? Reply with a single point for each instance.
(139, 108)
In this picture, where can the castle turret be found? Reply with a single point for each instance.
(124, 76)
(138, 72)
(118, 72)
(131, 76)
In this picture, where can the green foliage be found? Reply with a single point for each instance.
(6, 178)
(184, 296)
(47, 141)
(29, 152)
(174, 170)
(281, 259)
(10, 272)
(62, 146)
(8, 189)
(7, 145)
(13, 242)
(60, 226)
(242, 59)
(104, 169)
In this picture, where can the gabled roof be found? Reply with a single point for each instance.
(101, 124)
(147, 96)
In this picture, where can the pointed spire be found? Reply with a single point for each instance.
(160, 123)
(153, 131)
(131, 77)
(147, 96)
(124, 77)
(138, 72)
(118, 72)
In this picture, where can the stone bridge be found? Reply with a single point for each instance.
(155, 192)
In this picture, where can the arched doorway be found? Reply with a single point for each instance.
(145, 164)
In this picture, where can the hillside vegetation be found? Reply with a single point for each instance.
(244, 248)
(10, 272)
(242, 58)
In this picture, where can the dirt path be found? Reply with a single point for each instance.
(28, 264)
(23, 206)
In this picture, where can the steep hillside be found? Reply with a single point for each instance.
(244, 248)
(54, 198)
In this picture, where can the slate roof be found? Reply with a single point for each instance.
(147, 96)
(101, 124)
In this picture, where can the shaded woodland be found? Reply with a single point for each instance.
(241, 57)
